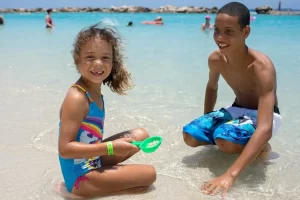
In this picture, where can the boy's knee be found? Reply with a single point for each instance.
(189, 140)
(229, 147)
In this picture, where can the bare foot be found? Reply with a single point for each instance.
(61, 190)
(264, 154)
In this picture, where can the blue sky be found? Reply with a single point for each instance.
(295, 4)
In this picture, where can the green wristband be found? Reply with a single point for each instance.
(110, 148)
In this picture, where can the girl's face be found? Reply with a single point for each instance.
(95, 60)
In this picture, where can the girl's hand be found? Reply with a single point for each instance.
(123, 147)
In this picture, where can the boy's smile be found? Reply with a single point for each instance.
(228, 34)
(222, 45)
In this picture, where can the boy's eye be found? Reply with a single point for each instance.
(228, 31)
(106, 58)
(216, 29)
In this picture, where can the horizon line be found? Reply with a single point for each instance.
(139, 6)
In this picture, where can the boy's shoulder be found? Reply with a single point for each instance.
(216, 58)
(260, 60)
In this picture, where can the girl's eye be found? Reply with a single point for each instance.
(106, 58)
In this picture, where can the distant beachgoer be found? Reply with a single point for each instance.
(246, 126)
(252, 18)
(207, 25)
(157, 21)
(279, 5)
(130, 23)
(90, 164)
(1, 20)
(48, 19)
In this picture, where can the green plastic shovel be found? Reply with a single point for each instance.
(150, 144)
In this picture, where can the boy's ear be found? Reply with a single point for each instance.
(246, 31)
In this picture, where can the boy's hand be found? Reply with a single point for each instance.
(123, 147)
(220, 184)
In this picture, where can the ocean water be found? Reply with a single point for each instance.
(169, 68)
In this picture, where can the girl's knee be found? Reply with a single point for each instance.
(140, 133)
(151, 175)
(61, 190)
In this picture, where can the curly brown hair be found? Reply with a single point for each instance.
(119, 79)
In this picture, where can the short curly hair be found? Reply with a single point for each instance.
(239, 10)
(119, 79)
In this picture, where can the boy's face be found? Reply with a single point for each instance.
(228, 34)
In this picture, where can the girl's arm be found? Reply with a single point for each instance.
(74, 109)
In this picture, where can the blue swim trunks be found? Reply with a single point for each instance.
(234, 124)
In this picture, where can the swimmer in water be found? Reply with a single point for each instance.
(48, 19)
(207, 25)
(1, 20)
(157, 21)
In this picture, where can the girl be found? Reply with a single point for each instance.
(90, 165)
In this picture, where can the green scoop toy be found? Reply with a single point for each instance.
(149, 145)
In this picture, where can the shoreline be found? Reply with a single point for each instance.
(275, 12)
(139, 9)
(122, 9)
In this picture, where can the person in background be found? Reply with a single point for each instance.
(158, 20)
(130, 23)
(207, 25)
(1, 20)
(279, 5)
(48, 19)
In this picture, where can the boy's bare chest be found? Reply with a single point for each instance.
(241, 81)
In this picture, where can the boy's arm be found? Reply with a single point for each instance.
(212, 84)
(266, 77)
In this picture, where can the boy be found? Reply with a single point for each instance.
(247, 125)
